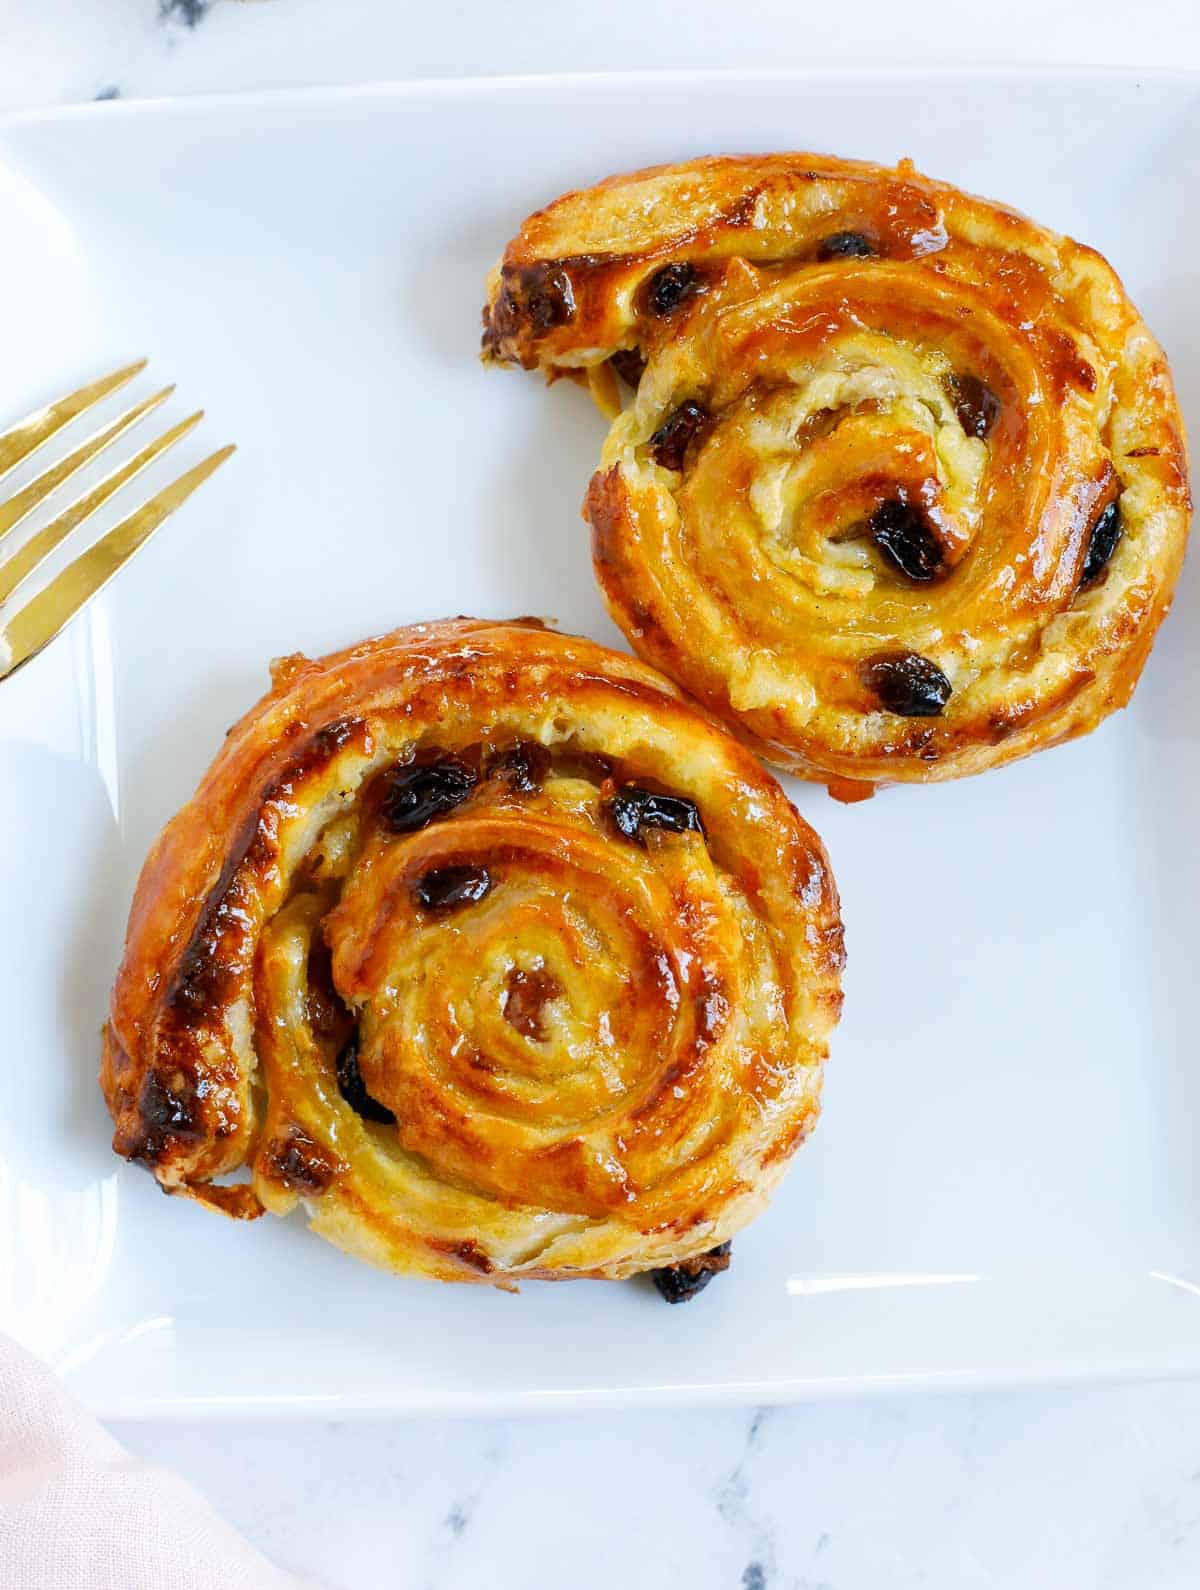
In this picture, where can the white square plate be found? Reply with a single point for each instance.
(1005, 1185)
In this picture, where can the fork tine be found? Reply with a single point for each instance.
(28, 435)
(40, 620)
(25, 501)
(39, 547)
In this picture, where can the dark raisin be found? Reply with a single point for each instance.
(189, 12)
(902, 534)
(300, 1164)
(524, 765)
(632, 809)
(533, 297)
(163, 1108)
(629, 365)
(354, 1089)
(327, 1016)
(977, 406)
(845, 245)
(549, 296)
(168, 1110)
(569, 762)
(1102, 543)
(445, 888)
(417, 792)
(672, 438)
(471, 1254)
(907, 683)
(679, 1283)
(669, 287)
(526, 995)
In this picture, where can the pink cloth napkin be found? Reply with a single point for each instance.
(78, 1513)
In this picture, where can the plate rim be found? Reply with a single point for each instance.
(443, 1401)
(505, 84)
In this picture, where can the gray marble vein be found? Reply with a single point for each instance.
(189, 12)
(1095, 1489)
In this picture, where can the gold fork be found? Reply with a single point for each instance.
(23, 633)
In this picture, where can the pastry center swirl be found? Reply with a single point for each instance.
(535, 976)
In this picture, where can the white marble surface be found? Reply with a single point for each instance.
(1078, 1489)
(1072, 1490)
(60, 50)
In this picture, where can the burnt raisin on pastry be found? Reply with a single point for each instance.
(354, 1089)
(299, 1163)
(548, 295)
(845, 245)
(975, 404)
(902, 534)
(527, 992)
(671, 286)
(908, 684)
(680, 1283)
(632, 809)
(417, 792)
(447, 888)
(524, 765)
(1102, 543)
(629, 365)
(675, 435)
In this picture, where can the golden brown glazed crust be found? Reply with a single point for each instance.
(877, 361)
(599, 1048)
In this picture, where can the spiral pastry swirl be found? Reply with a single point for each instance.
(487, 948)
(901, 489)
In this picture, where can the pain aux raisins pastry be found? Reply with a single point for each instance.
(896, 480)
(480, 943)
